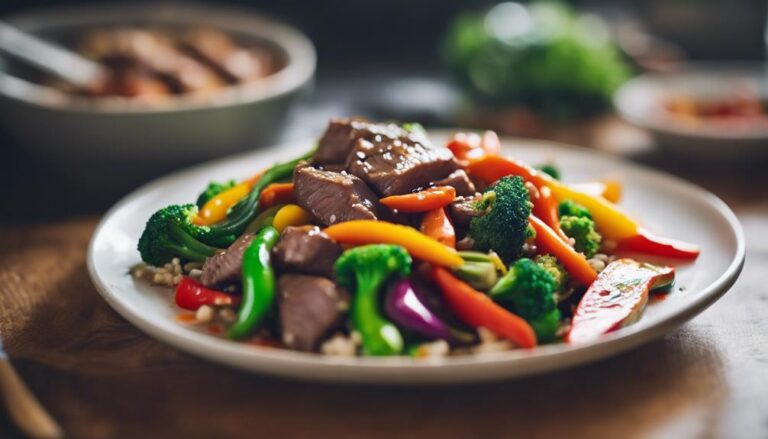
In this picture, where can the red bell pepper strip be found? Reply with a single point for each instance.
(437, 226)
(647, 242)
(476, 309)
(545, 207)
(616, 299)
(191, 294)
(577, 265)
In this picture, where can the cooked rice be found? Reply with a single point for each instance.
(438, 348)
(342, 345)
(168, 275)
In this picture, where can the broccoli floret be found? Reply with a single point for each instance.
(555, 268)
(504, 227)
(571, 208)
(529, 289)
(365, 270)
(170, 233)
(550, 170)
(582, 230)
(214, 188)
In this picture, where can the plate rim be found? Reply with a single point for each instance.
(428, 371)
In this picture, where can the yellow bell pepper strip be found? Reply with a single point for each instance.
(277, 193)
(612, 222)
(477, 309)
(216, 208)
(616, 299)
(577, 265)
(359, 232)
(290, 215)
(608, 189)
(423, 201)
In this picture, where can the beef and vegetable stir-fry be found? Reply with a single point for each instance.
(153, 65)
(381, 243)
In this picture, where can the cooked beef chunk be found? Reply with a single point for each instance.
(333, 197)
(460, 181)
(399, 166)
(341, 135)
(310, 307)
(225, 267)
(306, 250)
(463, 210)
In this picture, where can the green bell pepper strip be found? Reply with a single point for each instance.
(258, 284)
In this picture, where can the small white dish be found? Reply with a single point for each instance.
(641, 102)
(663, 203)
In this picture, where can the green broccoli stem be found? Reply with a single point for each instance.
(187, 246)
(504, 285)
(380, 336)
(479, 275)
(546, 326)
(244, 214)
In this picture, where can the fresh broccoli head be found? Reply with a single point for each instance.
(214, 188)
(529, 289)
(550, 170)
(571, 208)
(504, 226)
(365, 270)
(582, 230)
(555, 269)
(170, 233)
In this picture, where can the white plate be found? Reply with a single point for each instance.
(663, 203)
(641, 100)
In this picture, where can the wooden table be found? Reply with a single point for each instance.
(102, 378)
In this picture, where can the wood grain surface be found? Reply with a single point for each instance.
(102, 378)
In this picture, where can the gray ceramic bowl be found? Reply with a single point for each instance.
(183, 131)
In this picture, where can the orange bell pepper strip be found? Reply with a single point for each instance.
(420, 246)
(647, 242)
(423, 201)
(611, 221)
(215, 209)
(473, 146)
(576, 263)
(277, 193)
(545, 207)
(437, 226)
(477, 309)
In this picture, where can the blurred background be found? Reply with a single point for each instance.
(555, 70)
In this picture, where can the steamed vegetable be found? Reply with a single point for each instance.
(214, 188)
(216, 209)
(277, 193)
(258, 284)
(529, 289)
(423, 201)
(473, 146)
(191, 295)
(420, 246)
(647, 242)
(616, 299)
(582, 230)
(170, 233)
(503, 227)
(577, 265)
(555, 269)
(542, 56)
(550, 170)
(545, 207)
(480, 275)
(476, 309)
(571, 208)
(405, 307)
(365, 270)
(290, 215)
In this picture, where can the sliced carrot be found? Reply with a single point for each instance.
(577, 265)
(469, 146)
(420, 246)
(423, 201)
(277, 193)
(437, 226)
(545, 207)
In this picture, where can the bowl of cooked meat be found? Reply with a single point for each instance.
(184, 83)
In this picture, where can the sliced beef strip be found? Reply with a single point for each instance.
(333, 197)
(310, 307)
(340, 136)
(306, 250)
(460, 181)
(399, 166)
(225, 267)
(463, 210)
